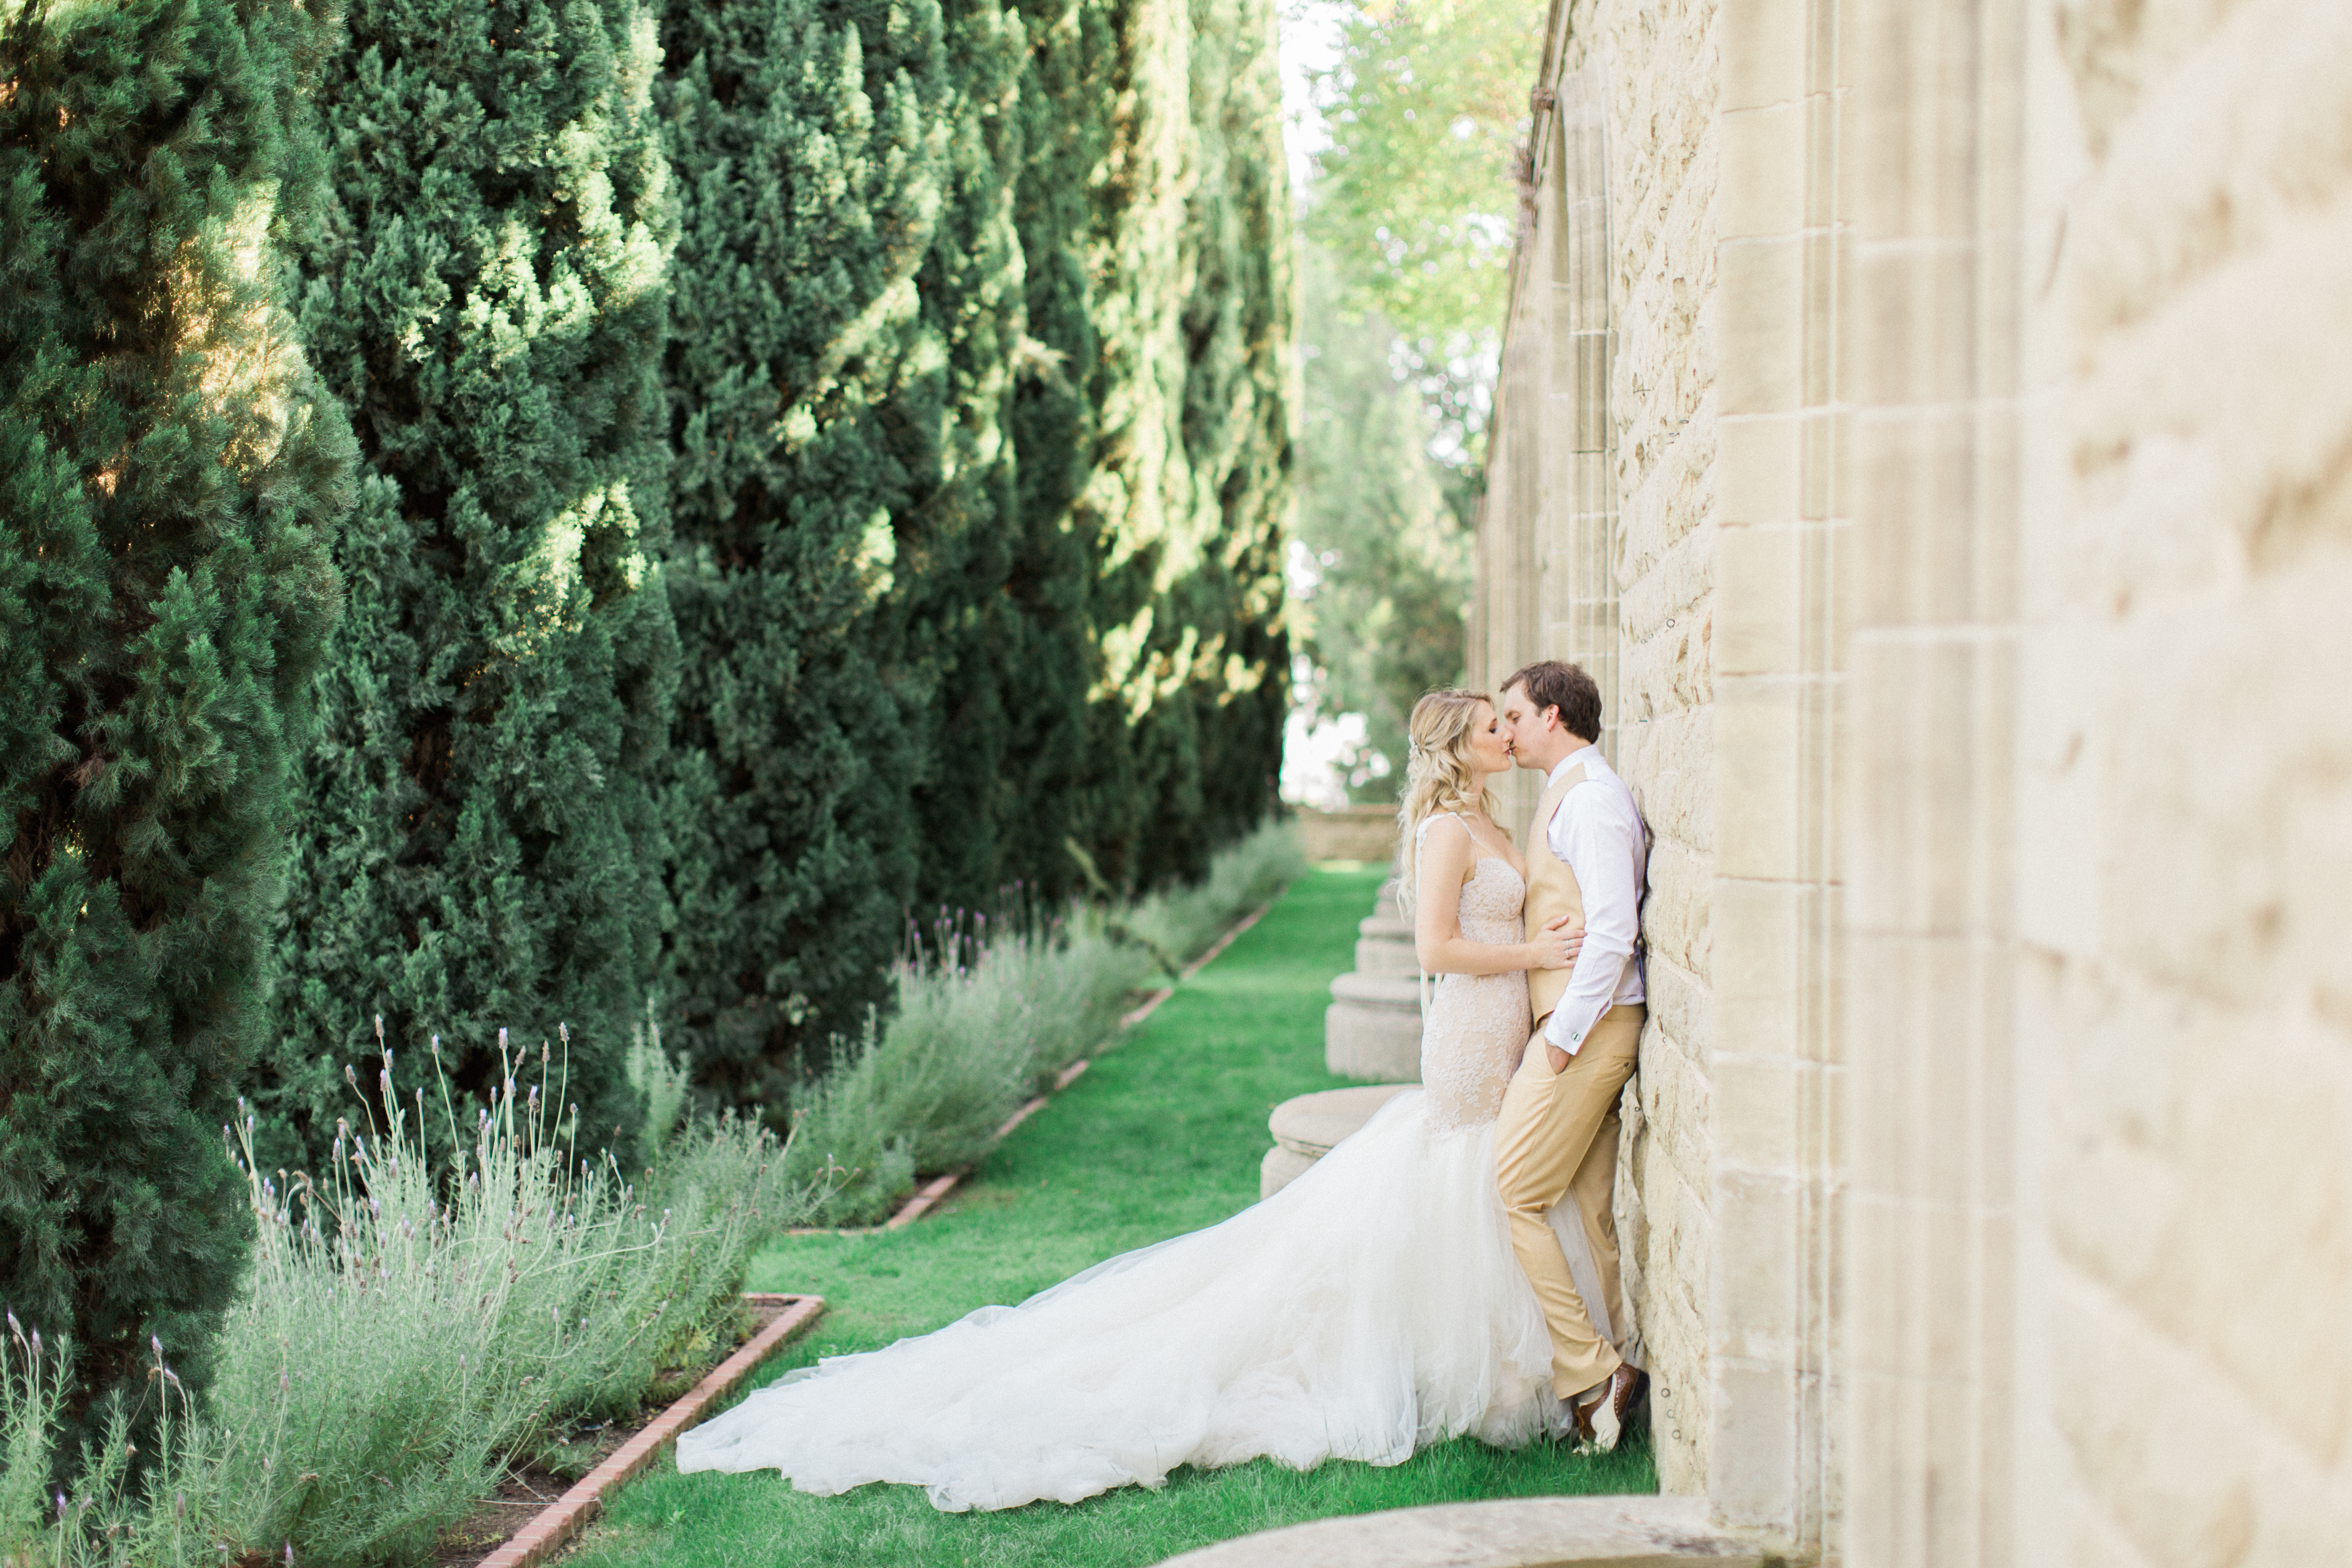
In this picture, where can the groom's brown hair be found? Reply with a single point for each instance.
(1551, 684)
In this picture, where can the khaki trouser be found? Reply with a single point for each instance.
(1556, 1139)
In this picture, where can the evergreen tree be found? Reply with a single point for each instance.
(827, 159)
(170, 479)
(958, 406)
(482, 841)
(1154, 223)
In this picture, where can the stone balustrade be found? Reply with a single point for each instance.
(1372, 1028)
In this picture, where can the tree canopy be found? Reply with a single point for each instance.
(1410, 216)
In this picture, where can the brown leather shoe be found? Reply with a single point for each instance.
(1600, 1421)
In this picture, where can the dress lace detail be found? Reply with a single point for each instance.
(1476, 1024)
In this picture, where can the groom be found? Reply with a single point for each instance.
(1588, 854)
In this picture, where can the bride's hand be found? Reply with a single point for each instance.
(1552, 948)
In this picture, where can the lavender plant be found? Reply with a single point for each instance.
(403, 1331)
(1184, 920)
(987, 1013)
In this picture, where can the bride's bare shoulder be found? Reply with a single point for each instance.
(1443, 825)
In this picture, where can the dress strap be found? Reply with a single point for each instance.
(1422, 976)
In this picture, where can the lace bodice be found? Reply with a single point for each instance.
(1476, 1024)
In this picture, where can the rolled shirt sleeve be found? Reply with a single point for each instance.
(1601, 849)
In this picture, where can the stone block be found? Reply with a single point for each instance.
(1681, 1009)
(1761, 723)
(1760, 604)
(1384, 946)
(1762, 930)
(1372, 1028)
(1757, 468)
(1315, 1124)
(1753, 1479)
(1934, 724)
(1752, 1316)
(1676, 916)
(1763, 51)
(1279, 1168)
(1309, 1126)
(1762, 284)
(1756, 1126)
(1763, 173)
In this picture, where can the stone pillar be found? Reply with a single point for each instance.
(1782, 567)
(1932, 160)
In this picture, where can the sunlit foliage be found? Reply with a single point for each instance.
(1382, 558)
(480, 843)
(1410, 216)
(1416, 198)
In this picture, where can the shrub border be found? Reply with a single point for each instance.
(554, 1526)
(933, 1192)
(551, 1526)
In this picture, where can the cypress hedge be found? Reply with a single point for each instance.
(481, 839)
(1153, 213)
(977, 394)
(821, 152)
(171, 479)
(975, 398)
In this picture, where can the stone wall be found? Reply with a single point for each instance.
(1596, 547)
(2184, 785)
(2099, 1245)
(1933, 420)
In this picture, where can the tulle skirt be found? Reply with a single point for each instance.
(1371, 1306)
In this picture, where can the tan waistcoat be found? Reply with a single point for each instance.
(1551, 891)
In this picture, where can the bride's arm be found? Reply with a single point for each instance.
(1447, 853)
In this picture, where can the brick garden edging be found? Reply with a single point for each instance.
(562, 1520)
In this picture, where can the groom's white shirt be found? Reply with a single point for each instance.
(1598, 832)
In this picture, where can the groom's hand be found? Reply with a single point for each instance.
(1558, 1057)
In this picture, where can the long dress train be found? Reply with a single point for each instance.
(1371, 1306)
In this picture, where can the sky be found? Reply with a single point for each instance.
(1310, 37)
(1311, 33)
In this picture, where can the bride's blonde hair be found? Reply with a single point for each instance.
(1437, 773)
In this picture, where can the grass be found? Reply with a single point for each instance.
(1160, 1136)
(988, 1012)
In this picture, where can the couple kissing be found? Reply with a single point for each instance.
(1449, 1269)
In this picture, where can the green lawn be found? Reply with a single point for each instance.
(1162, 1135)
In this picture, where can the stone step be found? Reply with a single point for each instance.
(1315, 1124)
(1280, 1167)
(1306, 1127)
(1518, 1533)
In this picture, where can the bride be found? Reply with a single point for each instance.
(1370, 1307)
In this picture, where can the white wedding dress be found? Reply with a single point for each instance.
(1371, 1306)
